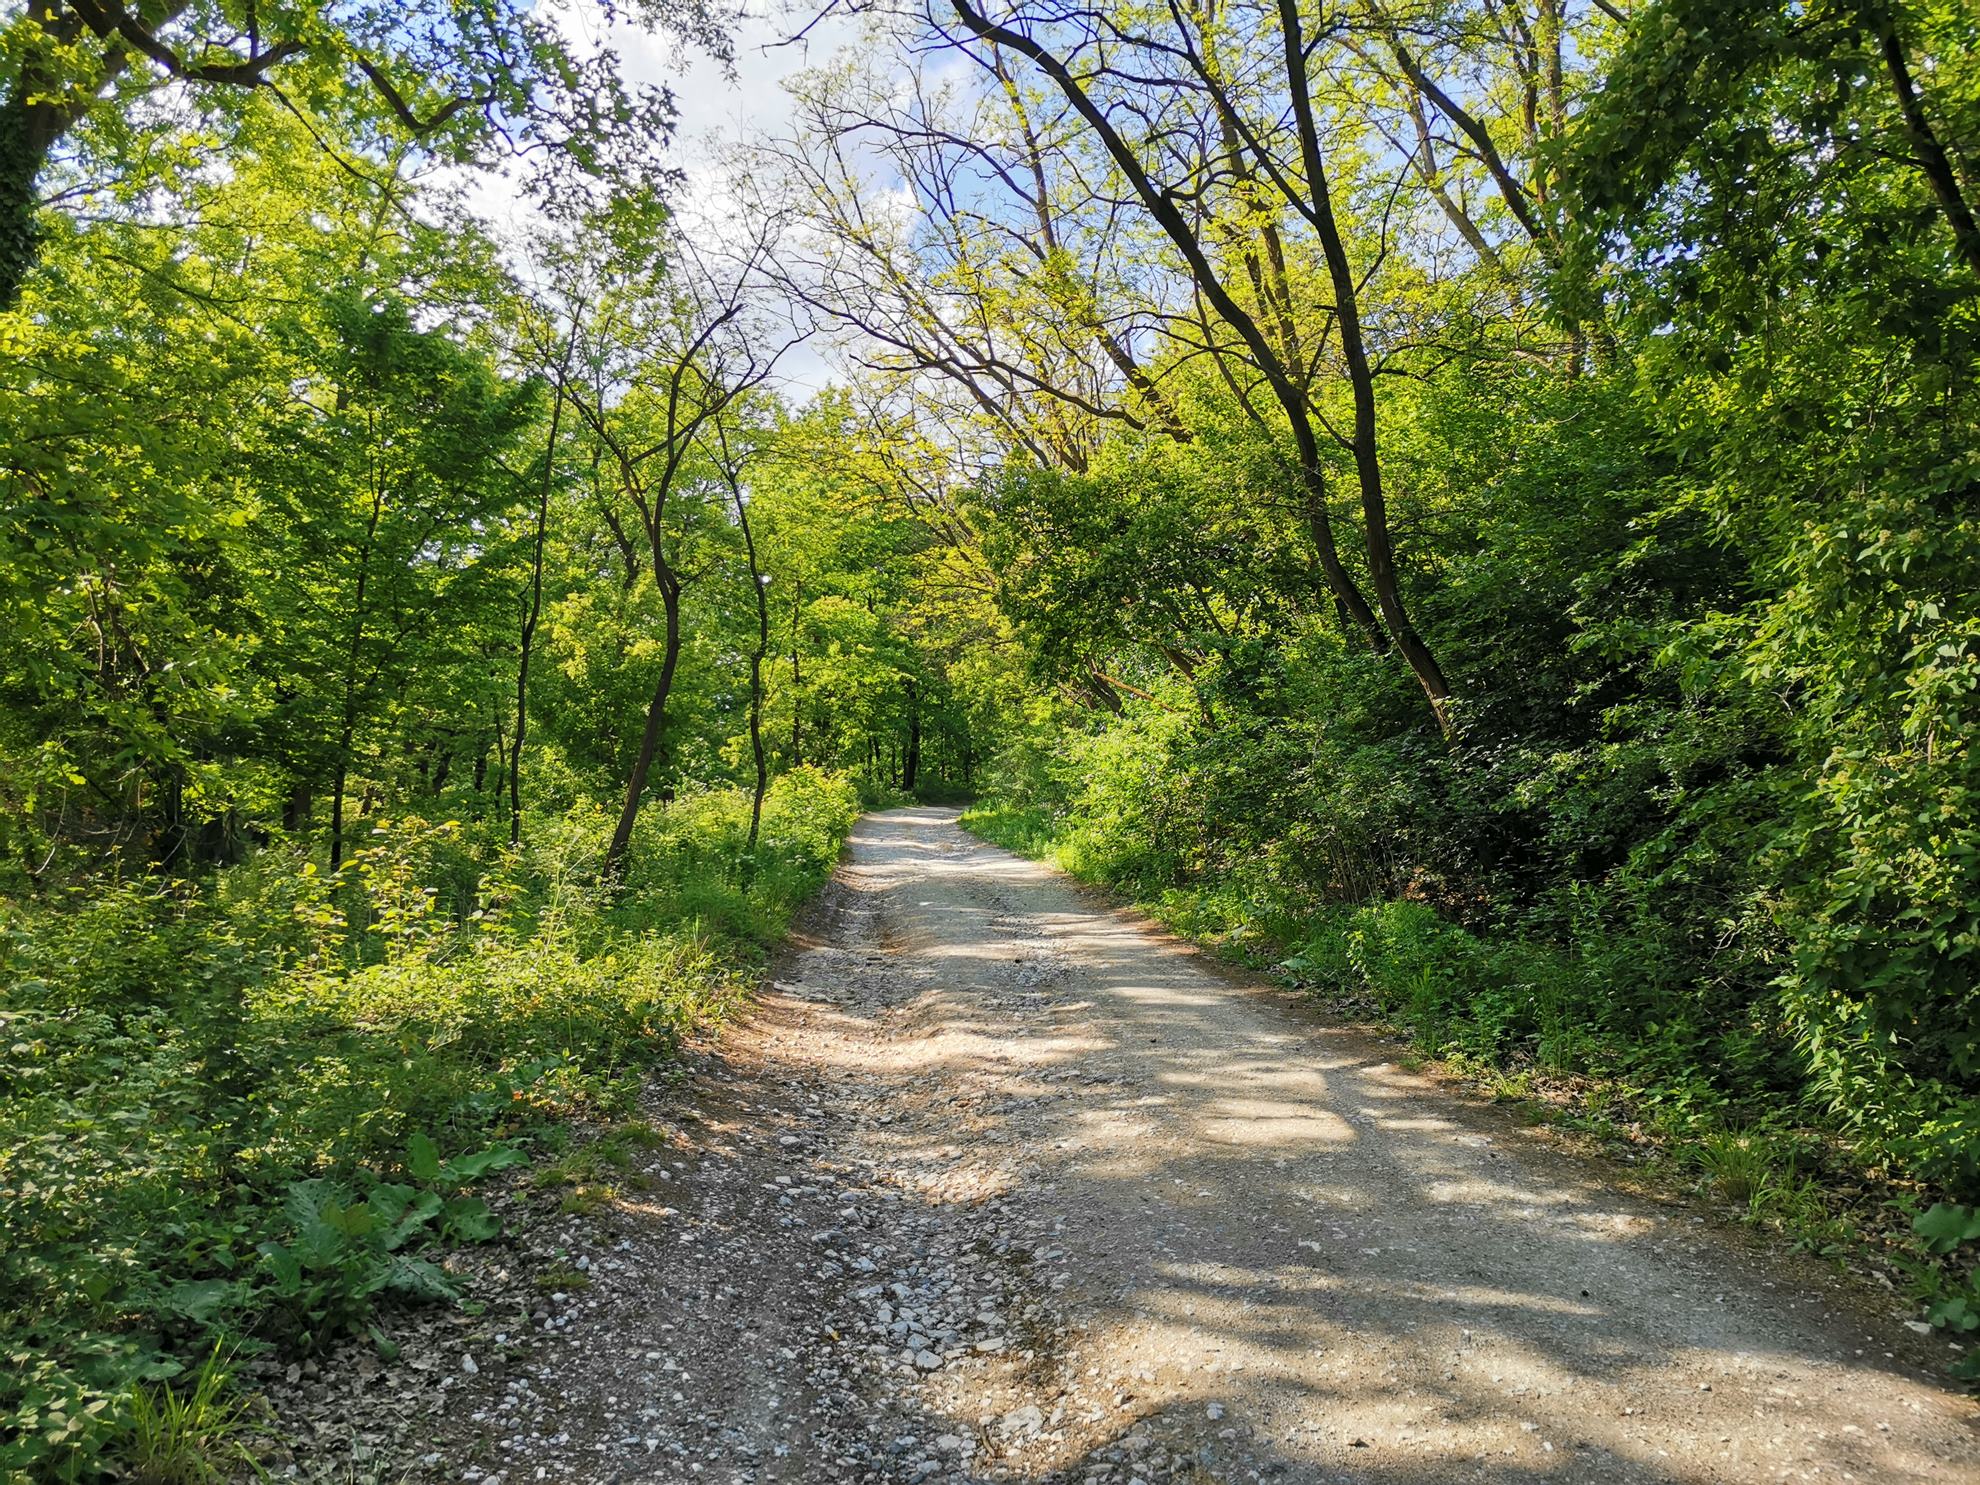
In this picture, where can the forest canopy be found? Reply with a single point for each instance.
(1472, 503)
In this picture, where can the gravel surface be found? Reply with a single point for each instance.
(1001, 1184)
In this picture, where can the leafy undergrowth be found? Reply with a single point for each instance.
(1509, 1015)
(251, 1112)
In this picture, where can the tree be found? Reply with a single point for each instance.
(532, 611)
(188, 476)
(461, 81)
(398, 478)
(1301, 177)
(669, 345)
(1016, 288)
(729, 459)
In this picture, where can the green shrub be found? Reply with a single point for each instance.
(223, 1105)
(1951, 1289)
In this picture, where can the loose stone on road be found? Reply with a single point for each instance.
(1001, 1184)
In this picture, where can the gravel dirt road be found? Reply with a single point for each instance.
(1001, 1184)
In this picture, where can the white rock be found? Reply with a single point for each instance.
(1027, 1419)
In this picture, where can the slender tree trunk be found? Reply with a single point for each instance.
(1100, 689)
(797, 679)
(756, 693)
(501, 761)
(656, 721)
(24, 144)
(534, 609)
(295, 809)
(170, 840)
(757, 583)
(1932, 157)
(31, 125)
(1162, 205)
(1354, 350)
(339, 781)
(353, 658)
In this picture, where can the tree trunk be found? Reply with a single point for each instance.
(337, 784)
(169, 841)
(911, 758)
(1354, 350)
(1100, 689)
(353, 657)
(31, 126)
(756, 656)
(1162, 205)
(757, 583)
(1932, 159)
(295, 809)
(656, 722)
(534, 609)
(797, 679)
(24, 144)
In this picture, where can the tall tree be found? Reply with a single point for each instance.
(462, 80)
(1302, 178)
(670, 344)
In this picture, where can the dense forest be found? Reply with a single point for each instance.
(1471, 503)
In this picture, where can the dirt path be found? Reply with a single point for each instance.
(1001, 1185)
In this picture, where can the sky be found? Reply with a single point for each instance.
(717, 105)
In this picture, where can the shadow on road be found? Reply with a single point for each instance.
(1282, 1253)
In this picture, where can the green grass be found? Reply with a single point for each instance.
(1026, 829)
(592, 1175)
(189, 1434)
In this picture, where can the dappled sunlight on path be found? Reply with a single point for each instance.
(1270, 1244)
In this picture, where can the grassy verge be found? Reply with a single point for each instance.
(1506, 1015)
(251, 1111)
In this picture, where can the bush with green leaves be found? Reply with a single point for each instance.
(1951, 1289)
(339, 1252)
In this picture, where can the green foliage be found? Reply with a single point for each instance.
(1738, 1166)
(1702, 831)
(338, 576)
(251, 1109)
(327, 653)
(1953, 1297)
(1026, 830)
(341, 1253)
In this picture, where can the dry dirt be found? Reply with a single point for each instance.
(1001, 1184)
